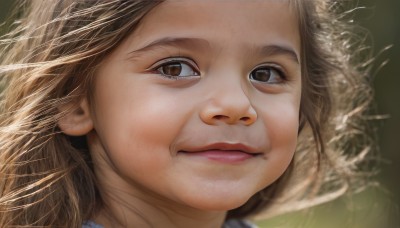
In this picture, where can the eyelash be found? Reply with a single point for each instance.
(270, 67)
(187, 62)
(184, 62)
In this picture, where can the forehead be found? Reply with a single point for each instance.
(228, 22)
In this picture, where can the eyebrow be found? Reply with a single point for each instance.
(188, 43)
(171, 42)
(271, 50)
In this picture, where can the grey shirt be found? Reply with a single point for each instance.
(232, 223)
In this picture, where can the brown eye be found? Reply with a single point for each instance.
(177, 69)
(172, 69)
(267, 75)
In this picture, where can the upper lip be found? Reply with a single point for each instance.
(225, 146)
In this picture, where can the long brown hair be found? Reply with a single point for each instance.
(50, 59)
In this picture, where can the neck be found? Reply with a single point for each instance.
(126, 210)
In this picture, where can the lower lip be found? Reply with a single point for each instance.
(224, 156)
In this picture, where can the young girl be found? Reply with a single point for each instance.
(177, 113)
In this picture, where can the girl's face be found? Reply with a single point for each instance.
(199, 107)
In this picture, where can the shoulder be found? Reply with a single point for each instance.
(238, 223)
(91, 224)
(232, 223)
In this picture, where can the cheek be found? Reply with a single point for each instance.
(156, 116)
(280, 116)
(283, 127)
(138, 123)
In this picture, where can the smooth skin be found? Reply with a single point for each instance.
(194, 73)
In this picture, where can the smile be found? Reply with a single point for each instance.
(223, 152)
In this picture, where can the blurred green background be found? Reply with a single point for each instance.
(376, 207)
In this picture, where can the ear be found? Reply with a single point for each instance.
(76, 122)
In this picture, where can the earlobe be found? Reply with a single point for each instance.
(76, 122)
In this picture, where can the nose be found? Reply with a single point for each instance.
(229, 107)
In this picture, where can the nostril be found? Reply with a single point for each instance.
(220, 117)
(245, 119)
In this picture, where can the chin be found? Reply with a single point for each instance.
(224, 202)
(223, 206)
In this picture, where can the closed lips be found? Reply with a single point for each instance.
(224, 147)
